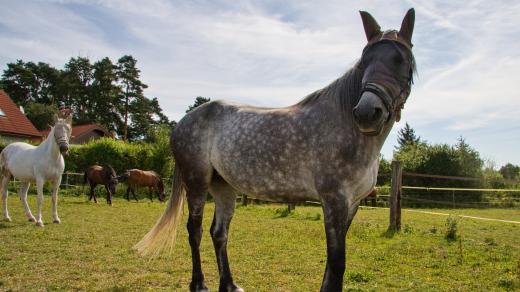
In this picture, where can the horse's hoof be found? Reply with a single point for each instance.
(8, 219)
(231, 288)
(56, 221)
(39, 224)
(32, 219)
(198, 287)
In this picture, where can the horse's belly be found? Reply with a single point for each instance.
(290, 184)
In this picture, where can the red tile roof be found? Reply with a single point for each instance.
(83, 129)
(77, 131)
(14, 122)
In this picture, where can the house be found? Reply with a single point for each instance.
(14, 125)
(84, 133)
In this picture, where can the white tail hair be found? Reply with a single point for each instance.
(162, 235)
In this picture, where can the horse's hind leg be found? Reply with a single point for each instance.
(3, 188)
(24, 187)
(197, 190)
(92, 193)
(225, 197)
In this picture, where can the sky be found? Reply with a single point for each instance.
(273, 53)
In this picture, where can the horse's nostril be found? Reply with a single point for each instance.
(355, 112)
(378, 112)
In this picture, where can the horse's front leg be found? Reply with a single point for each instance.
(109, 196)
(55, 188)
(335, 213)
(39, 189)
(150, 194)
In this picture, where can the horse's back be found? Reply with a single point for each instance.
(260, 151)
(142, 177)
(17, 159)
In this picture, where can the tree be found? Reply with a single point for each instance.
(41, 115)
(132, 87)
(106, 95)
(77, 78)
(510, 171)
(469, 159)
(200, 100)
(30, 82)
(407, 136)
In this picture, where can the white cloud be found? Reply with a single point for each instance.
(274, 53)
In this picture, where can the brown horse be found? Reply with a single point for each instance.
(372, 196)
(143, 178)
(103, 175)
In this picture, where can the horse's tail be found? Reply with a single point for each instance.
(162, 235)
(85, 177)
(3, 163)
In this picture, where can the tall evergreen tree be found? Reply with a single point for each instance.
(407, 136)
(77, 78)
(132, 87)
(106, 95)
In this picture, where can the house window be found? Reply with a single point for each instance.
(2, 114)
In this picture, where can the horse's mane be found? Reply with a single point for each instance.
(345, 90)
(109, 170)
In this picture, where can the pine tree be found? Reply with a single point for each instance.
(132, 87)
(407, 136)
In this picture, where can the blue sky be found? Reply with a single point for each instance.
(273, 53)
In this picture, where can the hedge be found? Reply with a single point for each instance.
(121, 156)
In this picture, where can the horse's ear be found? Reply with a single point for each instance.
(407, 25)
(370, 25)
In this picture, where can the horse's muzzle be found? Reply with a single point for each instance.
(370, 114)
(64, 149)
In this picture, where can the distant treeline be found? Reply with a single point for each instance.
(103, 92)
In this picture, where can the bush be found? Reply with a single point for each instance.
(451, 228)
(120, 155)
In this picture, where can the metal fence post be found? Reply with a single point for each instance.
(395, 196)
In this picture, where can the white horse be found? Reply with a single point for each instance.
(39, 164)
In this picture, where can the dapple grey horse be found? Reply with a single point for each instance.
(325, 148)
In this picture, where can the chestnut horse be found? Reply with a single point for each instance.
(103, 175)
(143, 178)
(372, 196)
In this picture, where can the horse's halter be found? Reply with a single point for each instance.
(62, 139)
(393, 104)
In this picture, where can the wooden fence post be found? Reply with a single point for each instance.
(291, 207)
(395, 196)
(244, 200)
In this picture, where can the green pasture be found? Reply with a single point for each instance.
(270, 250)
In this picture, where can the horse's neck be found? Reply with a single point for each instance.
(50, 147)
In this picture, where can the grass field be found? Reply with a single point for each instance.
(269, 251)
